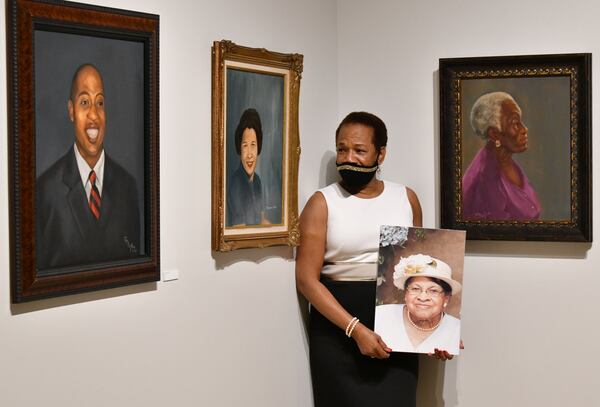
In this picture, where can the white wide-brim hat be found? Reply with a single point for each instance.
(421, 265)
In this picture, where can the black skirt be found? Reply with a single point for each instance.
(341, 375)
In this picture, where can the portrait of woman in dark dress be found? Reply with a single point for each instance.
(245, 203)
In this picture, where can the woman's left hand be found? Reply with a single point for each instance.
(444, 355)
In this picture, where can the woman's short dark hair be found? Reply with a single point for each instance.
(367, 119)
(445, 286)
(249, 120)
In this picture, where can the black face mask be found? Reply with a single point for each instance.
(356, 175)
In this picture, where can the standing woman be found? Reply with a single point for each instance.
(336, 270)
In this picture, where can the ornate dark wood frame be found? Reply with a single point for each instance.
(578, 68)
(23, 18)
(228, 51)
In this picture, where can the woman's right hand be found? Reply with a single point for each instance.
(369, 343)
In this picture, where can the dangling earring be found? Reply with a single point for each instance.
(498, 143)
(445, 304)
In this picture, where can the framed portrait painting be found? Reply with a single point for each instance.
(83, 124)
(516, 153)
(255, 147)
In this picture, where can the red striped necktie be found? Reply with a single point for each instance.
(94, 196)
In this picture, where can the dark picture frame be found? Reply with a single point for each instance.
(255, 147)
(53, 48)
(551, 149)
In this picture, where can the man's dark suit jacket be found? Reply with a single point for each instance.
(67, 232)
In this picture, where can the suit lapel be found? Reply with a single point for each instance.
(107, 191)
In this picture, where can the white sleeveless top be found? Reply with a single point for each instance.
(353, 229)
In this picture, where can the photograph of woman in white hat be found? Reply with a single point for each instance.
(415, 317)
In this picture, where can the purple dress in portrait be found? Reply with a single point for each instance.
(489, 195)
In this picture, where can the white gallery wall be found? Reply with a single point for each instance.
(230, 330)
(530, 310)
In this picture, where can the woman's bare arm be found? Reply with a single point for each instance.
(416, 207)
(309, 260)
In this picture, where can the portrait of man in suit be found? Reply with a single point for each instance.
(87, 208)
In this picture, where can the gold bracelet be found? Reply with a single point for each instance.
(350, 326)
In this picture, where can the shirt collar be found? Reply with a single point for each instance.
(84, 168)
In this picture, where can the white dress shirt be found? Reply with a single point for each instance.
(84, 172)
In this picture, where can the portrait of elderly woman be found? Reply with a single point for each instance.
(494, 186)
(420, 324)
(418, 291)
(245, 203)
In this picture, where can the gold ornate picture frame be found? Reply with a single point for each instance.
(255, 147)
(535, 184)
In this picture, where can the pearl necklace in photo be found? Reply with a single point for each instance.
(423, 329)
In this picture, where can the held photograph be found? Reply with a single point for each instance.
(515, 135)
(419, 289)
(255, 147)
(84, 156)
